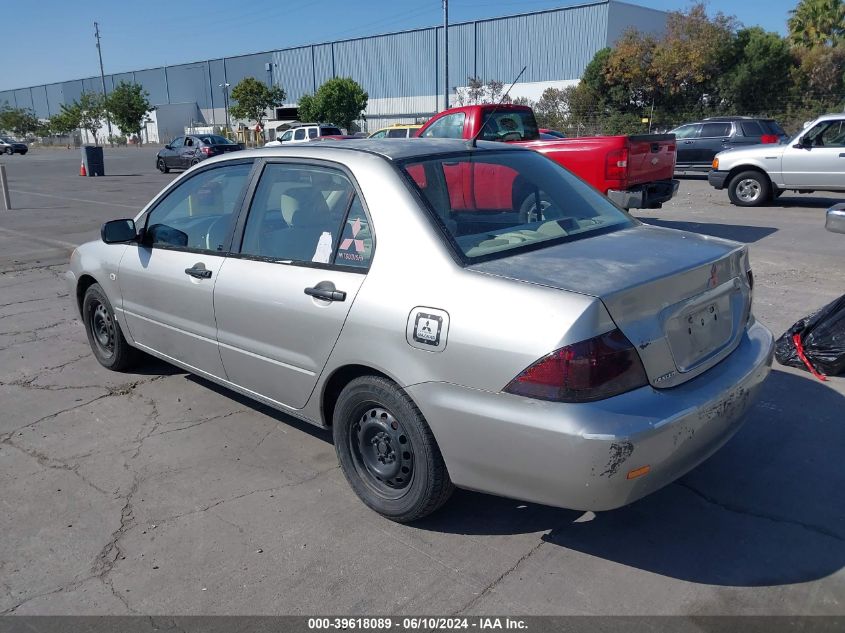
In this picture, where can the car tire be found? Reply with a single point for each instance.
(387, 451)
(10, 151)
(195, 161)
(107, 341)
(750, 189)
(162, 166)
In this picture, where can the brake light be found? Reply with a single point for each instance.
(594, 369)
(616, 167)
(770, 138)
(207, 150)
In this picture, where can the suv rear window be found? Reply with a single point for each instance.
(493, 203)
(773, 127)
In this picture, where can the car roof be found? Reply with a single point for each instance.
(391, 149)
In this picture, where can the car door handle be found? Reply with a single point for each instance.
(687, 142)
(842, 155)
(199, 273)
(327, 292)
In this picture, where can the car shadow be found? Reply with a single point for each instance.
(738, 232)
(764, 510)
(786, 200)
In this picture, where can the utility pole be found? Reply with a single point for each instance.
(102, 74)
(225, 87)
(445, 54)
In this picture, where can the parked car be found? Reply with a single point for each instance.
(699, 142)
(185, 151)
(633, 171)
(399, 130)
(554, 133)
(304, 132)
(812, 161)
(835, 218)
(581, 360)
(10, 146)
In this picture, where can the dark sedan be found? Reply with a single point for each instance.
(11, 146)
(185, 151)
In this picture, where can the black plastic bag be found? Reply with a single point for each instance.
(819, 339)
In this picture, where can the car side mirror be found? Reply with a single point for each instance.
(118, 232)
(803, 143)
(835, 218)
(168, 146)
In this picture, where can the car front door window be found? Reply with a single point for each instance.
(199, 213)
(449, 126)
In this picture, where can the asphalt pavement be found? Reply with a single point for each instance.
(160, 493)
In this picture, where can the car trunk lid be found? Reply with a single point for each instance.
(682, 299)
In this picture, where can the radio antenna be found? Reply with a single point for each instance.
(471, 143)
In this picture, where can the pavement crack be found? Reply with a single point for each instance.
(189, 424)
(736, 509)
(487, 589)
(111, 552)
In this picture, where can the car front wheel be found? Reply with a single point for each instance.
(749, 189)
(387, 450)
(107, 342)
(162, 166)
(10, 151)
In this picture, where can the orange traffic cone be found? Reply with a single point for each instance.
(82, 171)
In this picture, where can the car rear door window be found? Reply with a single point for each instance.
(199, 213)
(687, 131)
(312, 132)
(715, 130)
(300, 212)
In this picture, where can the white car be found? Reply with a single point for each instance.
(304, 132)
(814, 160)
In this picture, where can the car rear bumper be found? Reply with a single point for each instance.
(717, 178)
(648, 196)
(578, 456)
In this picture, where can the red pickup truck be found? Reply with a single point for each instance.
(633, 171)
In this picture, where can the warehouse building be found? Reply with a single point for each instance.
(402, 72)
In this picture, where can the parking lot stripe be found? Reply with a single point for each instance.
(44, 240)
(47, 195)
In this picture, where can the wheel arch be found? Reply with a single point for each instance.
(747, 167)
(85, 281)
(335, 383)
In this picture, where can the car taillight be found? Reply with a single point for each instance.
(770, 138)
(207, 151)
(594, 369)
(616, 167)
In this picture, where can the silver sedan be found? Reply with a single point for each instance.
(458, 316)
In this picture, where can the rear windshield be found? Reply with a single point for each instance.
(509, 125)
(330, 131)
(213, 139)
(493, 203)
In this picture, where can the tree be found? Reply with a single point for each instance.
(254, 98)
(341, 101)
(18, 121)
(817, 23)
(66, 121)
(761, 67)
(128, 105)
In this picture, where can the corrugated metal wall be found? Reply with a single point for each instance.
(402, 72)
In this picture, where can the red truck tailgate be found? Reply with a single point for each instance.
(651, 157)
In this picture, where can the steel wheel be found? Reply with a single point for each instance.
(102, 328)
(382, 452)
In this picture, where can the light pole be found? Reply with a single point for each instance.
(225, 87)
(446, 54)
(102, 74)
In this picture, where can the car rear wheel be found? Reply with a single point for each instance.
(162, 166)
(10, 151)
(387, 451)
(107, 342)
(195, 161)
(749, 189)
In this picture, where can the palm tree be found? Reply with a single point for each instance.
(817, 23)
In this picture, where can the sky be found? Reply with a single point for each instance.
(53, 40)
